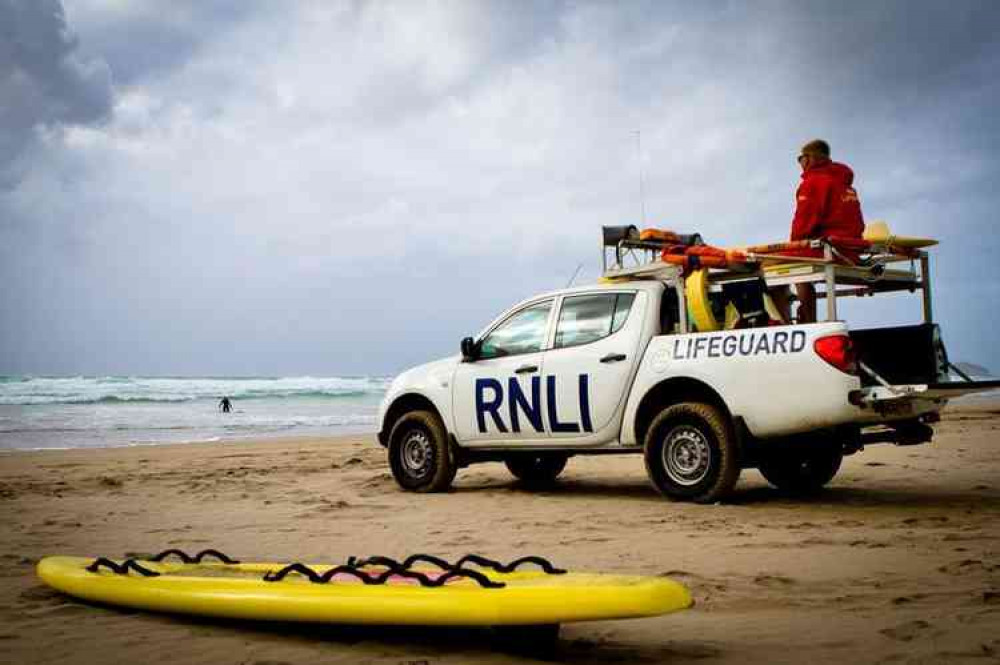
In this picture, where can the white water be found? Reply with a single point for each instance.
(61, 412)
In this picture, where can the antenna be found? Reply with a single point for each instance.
(642, 198)
(573, 278)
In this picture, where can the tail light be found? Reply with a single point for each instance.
(838, 351)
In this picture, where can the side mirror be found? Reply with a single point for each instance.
(470, 350)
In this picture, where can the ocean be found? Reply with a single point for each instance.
(89, 411)
(97, 412)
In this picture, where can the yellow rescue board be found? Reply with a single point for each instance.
(698, 304)
(237, 591)
(878, 232)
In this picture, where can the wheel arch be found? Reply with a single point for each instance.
(673, 391)
(402, 405)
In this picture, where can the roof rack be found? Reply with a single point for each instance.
(625, 255)
(631, 257)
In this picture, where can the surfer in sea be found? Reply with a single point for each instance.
(225, 405)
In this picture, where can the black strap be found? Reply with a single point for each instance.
(197, 558)
(543, 563)
(475, 559)
(121, 569)
(382, 578)
(354, 567)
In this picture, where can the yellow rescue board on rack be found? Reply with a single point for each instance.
(237, 591)
(699, 305)
(878, 232)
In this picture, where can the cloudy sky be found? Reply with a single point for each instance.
(265, 188)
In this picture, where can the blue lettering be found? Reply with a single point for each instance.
(780, 340)
(798, 341)
(585, 403)
(762, 345)
(729, 346)
(532, 409)
(713, 347)
(746, 350)
(554, 424)
(492, 407)
(677, 353)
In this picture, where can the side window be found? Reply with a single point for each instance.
(522, 332)
(669, 312)
(623, 305)
(588, 318)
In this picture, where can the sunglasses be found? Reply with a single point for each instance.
(801, 158)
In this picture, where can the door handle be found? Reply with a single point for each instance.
(526, 369)
(613, 358)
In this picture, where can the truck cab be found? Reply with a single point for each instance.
(630, 365)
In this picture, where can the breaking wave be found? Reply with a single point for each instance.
(18, 390)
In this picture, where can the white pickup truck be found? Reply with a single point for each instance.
(617, 368)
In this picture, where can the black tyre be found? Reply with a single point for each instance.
(536, 470)
(691, 453)
(804, 469)
(419, 455)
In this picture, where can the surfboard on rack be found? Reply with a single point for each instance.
(877, 232)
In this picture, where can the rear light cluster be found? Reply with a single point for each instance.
(838, 351)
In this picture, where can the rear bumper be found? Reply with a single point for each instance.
(902, 402)
(873, 395)
(878, 405)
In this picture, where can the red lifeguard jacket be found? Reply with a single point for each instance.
(827, 204)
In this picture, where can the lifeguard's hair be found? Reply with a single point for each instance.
(817, 147)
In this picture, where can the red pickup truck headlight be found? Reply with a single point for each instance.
(838, 351)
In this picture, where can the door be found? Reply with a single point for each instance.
(591, 362)
(498, 397)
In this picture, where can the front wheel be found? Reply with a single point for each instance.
(804, 469)
(418, 453)
(536, 470)
(691, 453)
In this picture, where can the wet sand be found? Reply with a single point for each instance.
(897, 562)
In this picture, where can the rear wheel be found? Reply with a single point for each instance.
(691, 453)
(418, 453)
(536, 470)
(805, 468)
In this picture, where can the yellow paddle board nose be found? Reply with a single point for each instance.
(877, 231)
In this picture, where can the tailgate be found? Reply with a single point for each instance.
(912, 399)
(904, 371)
(901, 355)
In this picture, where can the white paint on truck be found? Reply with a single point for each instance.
(771, 377)
(601, 369)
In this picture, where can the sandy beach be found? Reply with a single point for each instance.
(897, 562)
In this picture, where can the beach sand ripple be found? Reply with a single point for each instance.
(896, 562)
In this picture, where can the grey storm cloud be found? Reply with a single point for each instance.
(142, 40)
(354, 186)
(44, 82)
